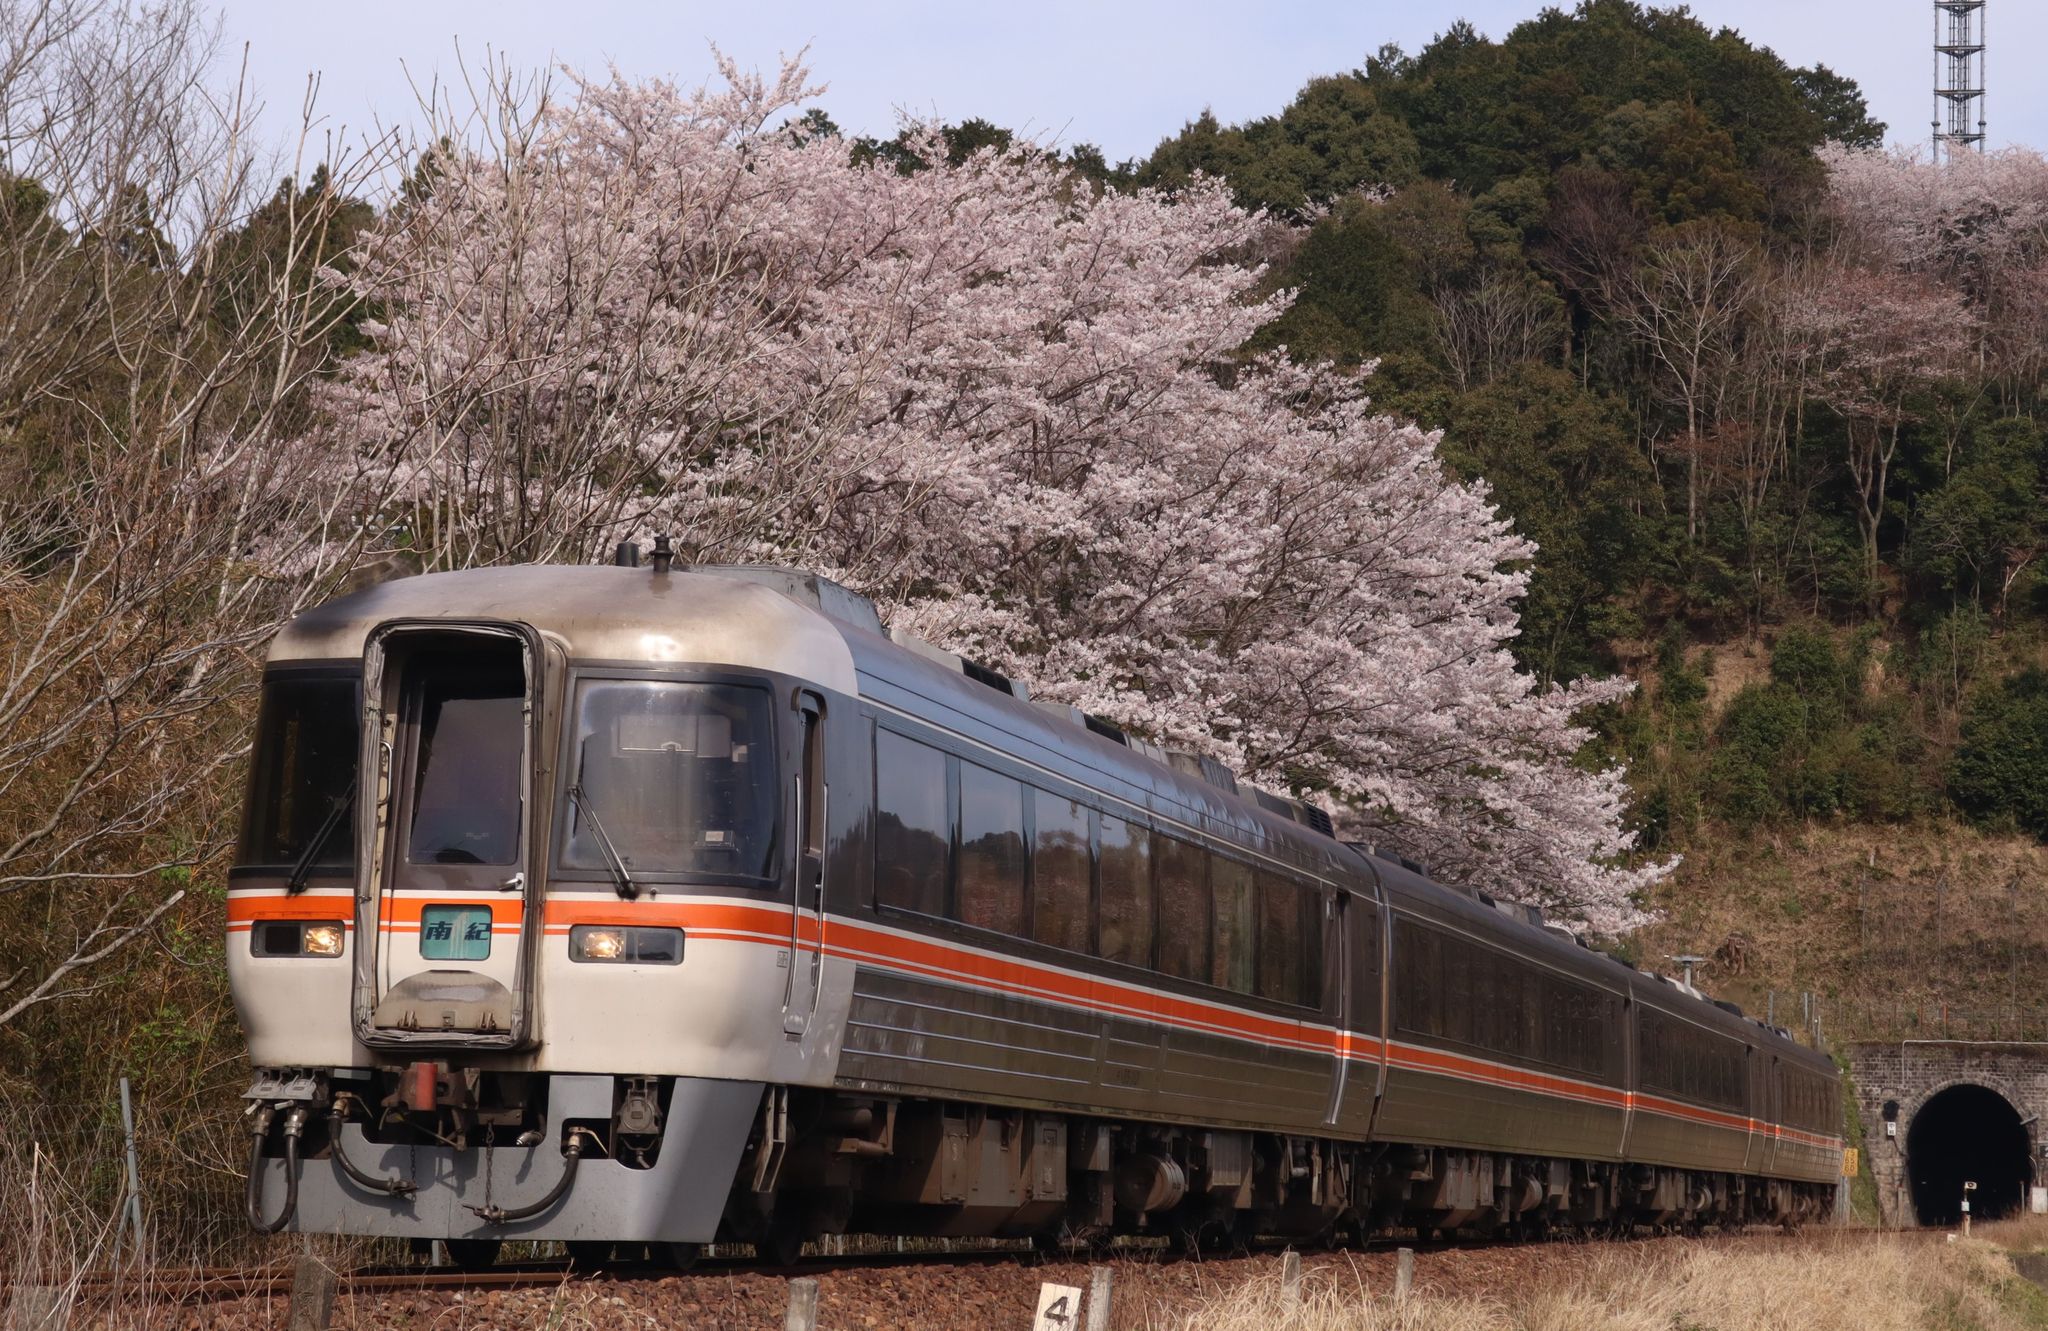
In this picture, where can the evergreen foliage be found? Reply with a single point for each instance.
(2000, 771)
(1701, 342)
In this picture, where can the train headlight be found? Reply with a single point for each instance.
(649, 946)
(588, 944)
(323, 939)
(297, 938)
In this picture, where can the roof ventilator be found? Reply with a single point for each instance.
(1204, 767)
(960, 665)
(995, 679)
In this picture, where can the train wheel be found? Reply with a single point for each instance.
(676, 1256)
(1048, 1246)
(473, 1254)
(1213, 1235)
(783, 1244)
(588, 1254)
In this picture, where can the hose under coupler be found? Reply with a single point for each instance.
(498, 1215)
(337, 1117)
(294, 1124)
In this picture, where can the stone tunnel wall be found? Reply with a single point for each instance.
(1912, 1072)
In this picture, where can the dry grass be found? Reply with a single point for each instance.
(2024, 1233)
(1899, 930)
(1844, 1282)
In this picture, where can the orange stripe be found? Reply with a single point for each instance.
(711, 919)
(398, 911)
(244, 911)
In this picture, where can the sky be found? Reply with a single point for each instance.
(1121, 74)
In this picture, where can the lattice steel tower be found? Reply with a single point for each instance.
(1958, 76)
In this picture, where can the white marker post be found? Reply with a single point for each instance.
(1099, 1285)
(1059, 1308)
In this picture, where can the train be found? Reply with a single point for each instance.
(639, 906)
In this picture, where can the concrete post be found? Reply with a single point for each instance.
(1290, 1277)
(313, 1283)
(803, 1305)
(1098, 1298)
(1404, 1272)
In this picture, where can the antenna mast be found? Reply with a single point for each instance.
(1958, 77)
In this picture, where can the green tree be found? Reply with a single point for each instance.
(1561, 462)
(1358, 290)
(1838, 104)
(1978, 534)
(2000, 771)
(1331, 140)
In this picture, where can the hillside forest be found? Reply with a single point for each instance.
(1636, 462)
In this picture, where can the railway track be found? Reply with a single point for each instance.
(211, 1284)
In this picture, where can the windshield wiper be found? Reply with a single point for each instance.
(321, 835)
(622, 876)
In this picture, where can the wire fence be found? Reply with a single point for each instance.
(1939, 959)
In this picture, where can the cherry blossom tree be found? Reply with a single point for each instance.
(1976, 225)
(1870, 339)
(1009, 407)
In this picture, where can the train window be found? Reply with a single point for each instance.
(1418, 987)
(913, 829)
(991, 892)
(1460, 1009)
(302, 773)
(1681, 1059)
(1232, 959)
(1571, 1021)
(1457, 990)
(1807, 1102)
(1502, 999)
(1124, 876)
(1183, 908)
(469, 750)
(1060, 907)
(681, 776)
(1290, 929)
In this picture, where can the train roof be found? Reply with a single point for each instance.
(597, 613)
(798, 624)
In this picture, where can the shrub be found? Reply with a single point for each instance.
(2000, 770)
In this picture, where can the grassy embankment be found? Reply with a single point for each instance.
(1915, 925)
(1848, 1281)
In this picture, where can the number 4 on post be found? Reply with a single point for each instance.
(1059, 1308)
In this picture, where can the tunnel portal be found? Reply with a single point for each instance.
(1967, 1133)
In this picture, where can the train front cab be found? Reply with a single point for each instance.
(530, 978)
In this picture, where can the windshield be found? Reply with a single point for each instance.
(682, 777)
(468, 753)
(302, 767)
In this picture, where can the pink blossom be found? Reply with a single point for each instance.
(1008, 407)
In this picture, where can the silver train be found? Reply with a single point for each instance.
(655, 906)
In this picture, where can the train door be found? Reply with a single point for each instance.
(810, 804)
(1774, 1114)
(1337, 983)
(1753, 1147)
(452, 898)
(1365, 1020)
(1630, 1071)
